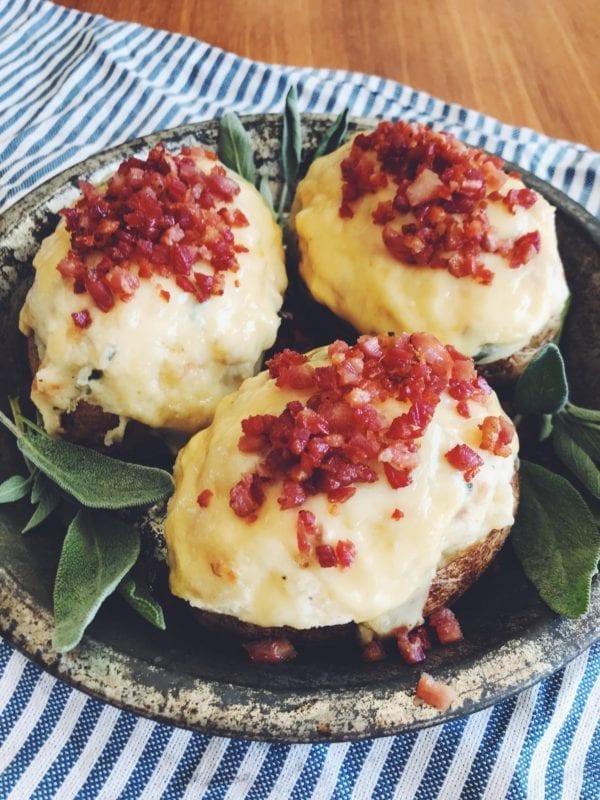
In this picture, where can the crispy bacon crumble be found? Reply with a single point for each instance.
(157, 216)
(437, 217)
(337, 438)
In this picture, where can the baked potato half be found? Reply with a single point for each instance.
(366, 485)
(407, 229)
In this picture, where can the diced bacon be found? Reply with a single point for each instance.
(464, 458)
(345, 552)
(326, 555)
(411, 645)
(425, 187)
(247, 496)
(82, 319)
(204, 498)
(525, 248)
(434, 693)
(373, 651)
(496, 435)
(270, 651)
(155, 215)
(446, 626)
(445, 186)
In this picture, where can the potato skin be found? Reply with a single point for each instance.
(506, 371)
(451, 580)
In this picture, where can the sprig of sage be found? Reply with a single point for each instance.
(556, 539)
(99, 549)
(334, 136)
(236, 152)
(137, 594)
(91, 478)
(235, 147)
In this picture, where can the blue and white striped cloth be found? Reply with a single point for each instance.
(71, 85)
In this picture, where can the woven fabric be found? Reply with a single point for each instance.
(71, 85)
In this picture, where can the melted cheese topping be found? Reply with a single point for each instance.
(221, 563)
(165, 364)
(348, 268)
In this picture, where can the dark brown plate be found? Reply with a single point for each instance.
(186, 677)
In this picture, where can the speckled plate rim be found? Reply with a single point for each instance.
(227, 709)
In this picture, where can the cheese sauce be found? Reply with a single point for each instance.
(221, 563)
(165, 364)
(348, 268)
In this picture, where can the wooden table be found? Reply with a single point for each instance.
(526, 62)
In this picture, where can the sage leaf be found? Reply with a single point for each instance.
(590, 416)
(556, 539)
(543, 387)
(48, 499)
(40, 483)
(264, 187)
(334, 135)
(235, 146)
(586, 436)
(95, 480)
(576, 458)
(142, 601)
(546, 427)
(291, 138)
(98, 551)
(14, 488)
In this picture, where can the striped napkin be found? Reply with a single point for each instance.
(71, 85)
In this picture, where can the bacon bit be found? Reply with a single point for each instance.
(446, 626)
(496, 435)
(445, 187)
(373, 651)
(345, 552)
(465, 459)
(166, 296)
(434, 693)
(397, 514)
(412, 645)
(156, 216)
(204, 498)
(82, 319)
(524, 249)
(397, 478)
(247, 496)
(270, 651)
(326, 555)
(328, 445)
(342, 494)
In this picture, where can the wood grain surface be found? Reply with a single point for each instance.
(526, 62)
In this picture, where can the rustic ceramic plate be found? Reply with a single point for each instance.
(189, 678)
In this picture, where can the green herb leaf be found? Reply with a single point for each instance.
(14, 488)
(95, 480)
(588, 415)
(546, 427)
(45, 494)
(235, 146)
(556, 539)
(575, 458)
(142, 601)
(334, 135)
(98, 550)
(586, 436)
(264, 187)
(543, 387)
(291, 138)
